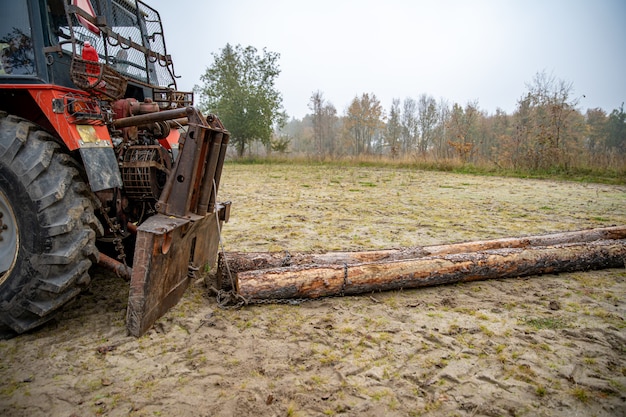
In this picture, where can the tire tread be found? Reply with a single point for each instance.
(66, 218)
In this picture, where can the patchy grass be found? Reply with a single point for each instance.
(539, 323)
(410, 352)
(354, 208)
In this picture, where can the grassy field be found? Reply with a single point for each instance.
(551, 345)
(332, 207)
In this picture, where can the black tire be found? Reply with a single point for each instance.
(48, 229)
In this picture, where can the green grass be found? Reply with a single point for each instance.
(539, 323)
(599, 175)
(581, 394)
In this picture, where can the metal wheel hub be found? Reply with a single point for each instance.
(9, 238)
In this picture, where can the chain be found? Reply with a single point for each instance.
(231, 300)
(286, 260)
(115, 228)
(118, 238)
(191, 271)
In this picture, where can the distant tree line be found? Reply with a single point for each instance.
(546, 131)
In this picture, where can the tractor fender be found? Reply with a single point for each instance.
(92, 139)
(101, 166)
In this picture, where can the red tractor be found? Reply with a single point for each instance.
(102, 161)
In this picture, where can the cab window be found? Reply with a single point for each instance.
(16, 44)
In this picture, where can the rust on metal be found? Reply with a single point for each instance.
(198, 169)
(160, 116)
(120, 269)
(166, 247)
(184, 235)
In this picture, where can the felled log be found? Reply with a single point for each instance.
(315, 281)
(247, 261)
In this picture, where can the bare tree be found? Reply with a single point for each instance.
(329, 127)
(410, 128)
(545, 119)
(315, 105)
(427, 122)
(442, 149)
(324, 121)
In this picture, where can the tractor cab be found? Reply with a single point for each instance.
(127, 35)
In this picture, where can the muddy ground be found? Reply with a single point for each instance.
(552, 345)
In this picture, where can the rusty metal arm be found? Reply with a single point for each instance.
(199, 164)
(207, 186)
(160, 116)
(218, 173)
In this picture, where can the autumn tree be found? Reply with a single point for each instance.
(496, 133)
(362, 122)
(546, 131)
(240, 88)
(462, 129)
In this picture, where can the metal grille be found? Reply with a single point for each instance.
(155, 69)
(132, 41)
(129, 61)
(78, 108)
(105, 81)
(144, 171)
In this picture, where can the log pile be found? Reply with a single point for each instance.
(263, 276)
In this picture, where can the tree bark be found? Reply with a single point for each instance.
(246, 261)
(315, 281)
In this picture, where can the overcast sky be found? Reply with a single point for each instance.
(461, 51)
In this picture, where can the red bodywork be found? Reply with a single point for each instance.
(65, 128)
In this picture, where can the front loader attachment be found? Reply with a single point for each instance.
(167, 252)
(184, 236)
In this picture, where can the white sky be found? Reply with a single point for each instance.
(484, 50)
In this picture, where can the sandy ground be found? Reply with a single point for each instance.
(553, 345)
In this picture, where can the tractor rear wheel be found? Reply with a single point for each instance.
(47, 227)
